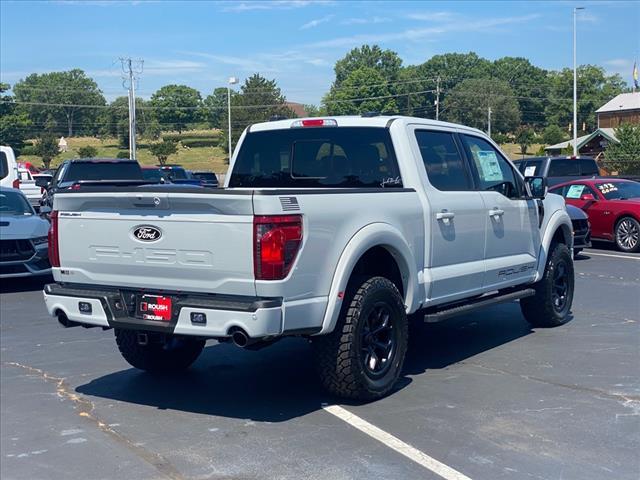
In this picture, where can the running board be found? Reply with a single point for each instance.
(480, 302)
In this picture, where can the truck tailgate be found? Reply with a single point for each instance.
(177, 241)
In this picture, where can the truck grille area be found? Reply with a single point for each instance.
(15, 250)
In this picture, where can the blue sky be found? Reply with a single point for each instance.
(297, 42)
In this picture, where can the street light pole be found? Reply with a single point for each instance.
(232, 81)
(575, 85)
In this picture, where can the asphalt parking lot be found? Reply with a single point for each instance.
(483, 396)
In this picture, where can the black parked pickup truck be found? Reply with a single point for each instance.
(558, 169)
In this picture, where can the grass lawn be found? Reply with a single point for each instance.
(197, 150)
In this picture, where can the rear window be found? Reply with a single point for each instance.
(206, 176)
(152, 174)
(338, 157)
(588, 167)
(564, 168)
(77, 171)
(175, 173)
(4, 165)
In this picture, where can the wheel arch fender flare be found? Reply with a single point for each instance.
(558, 222)
(372, 235)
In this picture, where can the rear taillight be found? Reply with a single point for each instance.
(16, 183)
(54, 248)
(75, 186)
(276, 241)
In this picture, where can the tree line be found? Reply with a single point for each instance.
(461, 87)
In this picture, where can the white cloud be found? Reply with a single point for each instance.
(316, 22)
(431, 16)
(619, 63)
(481, 25)
(365, 21)
(272, 5)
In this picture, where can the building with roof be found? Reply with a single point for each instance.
(625, 108)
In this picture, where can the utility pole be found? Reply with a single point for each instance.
(575, 85)
(489, 122)
(438, 98)
(129, 69)
(232, 81)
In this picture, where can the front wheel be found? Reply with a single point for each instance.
(159, 353)
(362, 358)
(551, 304)
(627, 235)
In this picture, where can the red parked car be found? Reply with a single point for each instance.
(613, 206)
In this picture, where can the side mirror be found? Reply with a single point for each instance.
(588, 197)
(537, 187)
(45, 211)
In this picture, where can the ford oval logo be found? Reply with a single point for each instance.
(147, 233)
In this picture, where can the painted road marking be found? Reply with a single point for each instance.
(628, 257)
(395, 443)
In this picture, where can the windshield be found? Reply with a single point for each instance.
(78, 171)
(338, 157)
(14, 203)
(619, 190)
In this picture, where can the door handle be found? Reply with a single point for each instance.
(496, 212)
(445, 215)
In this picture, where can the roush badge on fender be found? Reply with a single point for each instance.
(147, 233)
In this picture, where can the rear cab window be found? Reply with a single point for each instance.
(564, 168)
(327, 157)
(77, 171)
(588, 167)
(531, 168)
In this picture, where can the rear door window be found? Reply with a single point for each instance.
(329, 157)
(531, 168)
(564, 168)
(446, 169)
(4, 165)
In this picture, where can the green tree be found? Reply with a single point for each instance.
(386, 62)
(553, 134)
(87, 152)
(163, 150)
(259, 99)
(71, 99)
(214, 107)
(595, 88)
(46, 147)
(529, 83)
(14, 124)
(469, 102)
(313, 110)
(362, 91)
(624, 157)
(176, 106)
(525, 136)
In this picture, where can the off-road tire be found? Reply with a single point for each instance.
(632, 228)
(542, 309)
(172, 355)
(340, 361)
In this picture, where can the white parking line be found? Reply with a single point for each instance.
(396, 444)
(628, 257)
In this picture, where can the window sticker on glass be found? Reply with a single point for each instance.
(530, 171)
(607, 188)
(489, 164)
(575, 191)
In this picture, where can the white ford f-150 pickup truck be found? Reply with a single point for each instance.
(335, 229)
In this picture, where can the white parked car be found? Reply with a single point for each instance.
(8, 168)
(28, 186)
(23, 237)
(335, 229)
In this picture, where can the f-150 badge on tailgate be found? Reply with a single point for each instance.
(147, 233)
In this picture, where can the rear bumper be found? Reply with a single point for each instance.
(112, 308)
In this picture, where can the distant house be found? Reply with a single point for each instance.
(296, 108)
(625, 108)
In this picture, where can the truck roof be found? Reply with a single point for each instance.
(381, 121)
